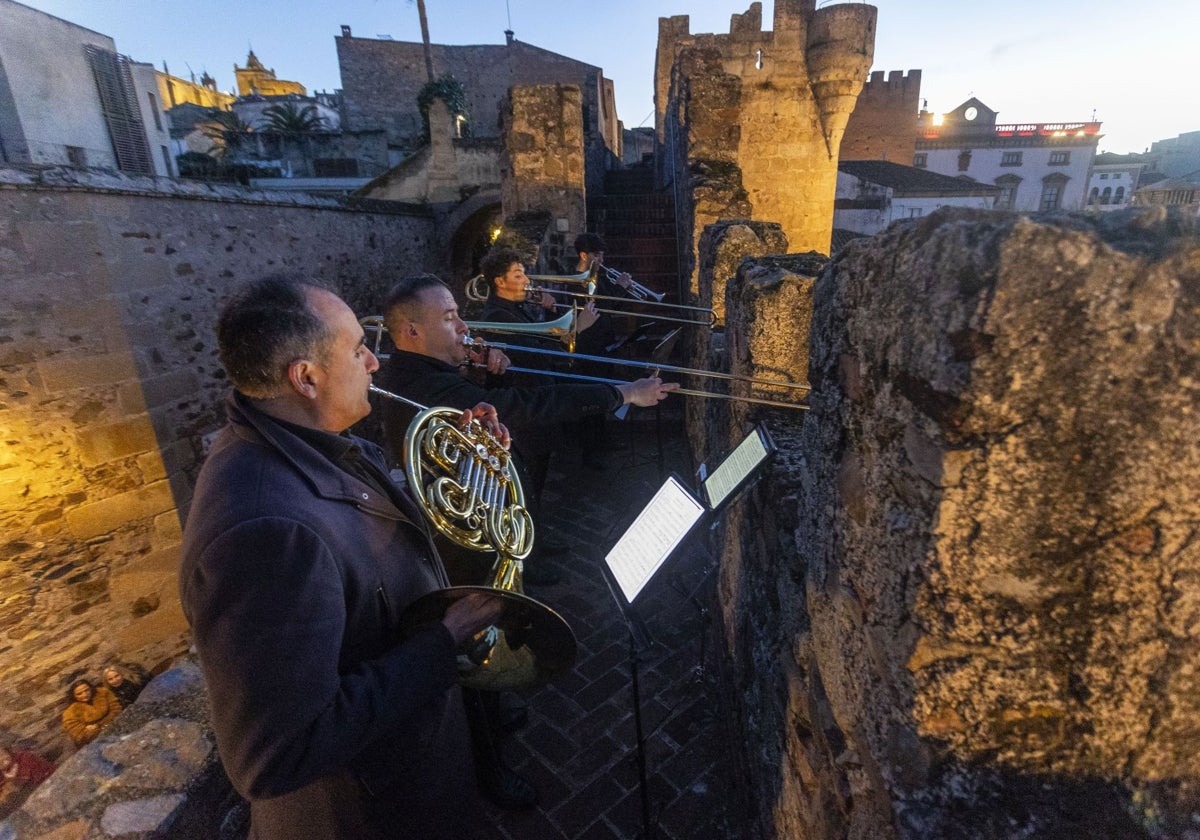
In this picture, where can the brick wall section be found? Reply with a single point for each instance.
(965, 600)
(758, 117)
(883, 124)
(107, 357)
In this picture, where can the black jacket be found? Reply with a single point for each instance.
(294, 576)
(531, 413)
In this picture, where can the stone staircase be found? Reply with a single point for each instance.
(638, 226)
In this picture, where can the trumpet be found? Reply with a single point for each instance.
(635, 289)
(477, 290)
(651, 368)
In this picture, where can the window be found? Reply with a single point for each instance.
(1106, 196)
(1119, 196)
(166, 156)
(1006, 199)
(1093, 195)
(921, 160)
(1104, 177)
(76, 157)
(964, 160)
(1052, 192)
(1060, 158)
(1010, 158)
(335, 168)
(154, 111)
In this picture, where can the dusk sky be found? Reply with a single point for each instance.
(1131, 65)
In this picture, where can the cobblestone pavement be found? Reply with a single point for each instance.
(580, 745)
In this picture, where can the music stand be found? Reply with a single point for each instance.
(628, 568)
(733, 473)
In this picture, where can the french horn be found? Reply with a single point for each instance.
(467, 486)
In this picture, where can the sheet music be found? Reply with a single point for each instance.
(742, 461)
(649, 541)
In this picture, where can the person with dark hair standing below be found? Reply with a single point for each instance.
(91, 710)
(299, 556)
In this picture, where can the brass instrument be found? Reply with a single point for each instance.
(477, 290)
(375, 322)
(466, 485)
(652, 368)
(561, 328)
(635, 288)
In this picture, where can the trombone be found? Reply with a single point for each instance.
(563, 328)
(653, 368)
(477, 290)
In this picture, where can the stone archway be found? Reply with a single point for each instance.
(467, 233)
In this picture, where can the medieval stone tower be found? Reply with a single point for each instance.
(881, 127)
(749, 123)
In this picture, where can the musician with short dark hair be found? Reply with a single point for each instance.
(590, 248)
(423, 321)
(299, 556)
(507, 297)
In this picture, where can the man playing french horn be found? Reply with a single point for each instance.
(300, 554)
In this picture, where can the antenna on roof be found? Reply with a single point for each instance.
(508, 12)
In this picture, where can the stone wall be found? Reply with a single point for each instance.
(111, 385)
(883, 125)
(966, 600)
(753, 120)
(543, 167)
(382, 79)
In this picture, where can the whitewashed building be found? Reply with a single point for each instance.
(67, 98)
(871, 194)
(1037, 166)
(1113, 181)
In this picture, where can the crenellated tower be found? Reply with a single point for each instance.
(749, 123)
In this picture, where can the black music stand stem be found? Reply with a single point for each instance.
(639, 640)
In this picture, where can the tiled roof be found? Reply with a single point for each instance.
(909, 180)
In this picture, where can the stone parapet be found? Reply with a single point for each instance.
(153, 773)
(965, 603)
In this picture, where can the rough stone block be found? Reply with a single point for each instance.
(95, 518)
(116, 440)
(67, 373)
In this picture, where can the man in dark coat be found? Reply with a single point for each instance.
(300, 554)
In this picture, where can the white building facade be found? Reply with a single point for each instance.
(1037, 166)
(1113, 181)
(67, 98)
